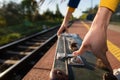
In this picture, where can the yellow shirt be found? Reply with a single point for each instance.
(110, 4)
(71, 9)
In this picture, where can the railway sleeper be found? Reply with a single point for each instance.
(38, 40)
(8, 61)
(27, 47)
(20, 53)
(33, 43)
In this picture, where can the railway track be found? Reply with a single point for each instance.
(17, 58)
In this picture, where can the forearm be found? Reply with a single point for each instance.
(72, 5)
(102, 18)
(104, 13)
(66, 20)
(67, 16)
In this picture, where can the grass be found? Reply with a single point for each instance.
(12, 33)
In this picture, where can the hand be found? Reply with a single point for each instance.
(95, 41)
(61, 29)
(65, 22)
(76, 53)
(96, 38)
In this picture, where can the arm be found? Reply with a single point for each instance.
(65, 21)
(96, 38)
(71, 7)
(99, 27)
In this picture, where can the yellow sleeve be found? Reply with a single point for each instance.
(111, 4)
(71, 9)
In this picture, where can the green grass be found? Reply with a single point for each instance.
(11, 33)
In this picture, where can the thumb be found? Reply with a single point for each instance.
(83, 48)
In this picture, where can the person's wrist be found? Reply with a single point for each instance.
(102, 18)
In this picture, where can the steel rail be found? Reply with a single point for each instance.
(14, 72)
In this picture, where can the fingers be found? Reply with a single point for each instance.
(66, 30)
(82, 49)
(75, 53)
(62, 28)
(60, 31)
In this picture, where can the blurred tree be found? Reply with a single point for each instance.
(58, 15)
(34, 10)
(27, 10)
(2, 21)
(89, 14)
(83, 17)
(30, 8)
(49, 15)
(13, 13)
(10, 13)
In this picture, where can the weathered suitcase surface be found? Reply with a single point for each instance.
(86, 71)
(59, 70)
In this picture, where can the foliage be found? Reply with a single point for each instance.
(23, 19)
(13, 13)
(9, 14)
(58, 15)
(2, 21)
(92, 12)
(89, 14)
(83, 17)
(49, 15)
(9, 37)
(30, 8)
(11, 33)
